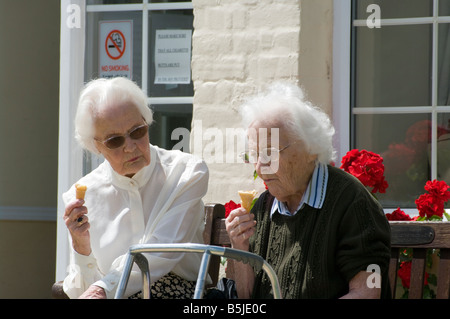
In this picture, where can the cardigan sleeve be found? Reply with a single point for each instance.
(364, 237)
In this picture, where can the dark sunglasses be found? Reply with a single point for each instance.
(118, 140)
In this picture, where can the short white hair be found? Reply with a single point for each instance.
(286, 103)
(100, 93)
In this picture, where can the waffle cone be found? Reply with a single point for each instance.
(80, 191)
(247, 199)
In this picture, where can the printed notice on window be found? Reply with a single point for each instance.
(173, 56)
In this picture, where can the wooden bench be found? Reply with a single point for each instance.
(421, 236)
(215, 234)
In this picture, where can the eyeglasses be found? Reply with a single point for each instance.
(117, 141)
(266, 155)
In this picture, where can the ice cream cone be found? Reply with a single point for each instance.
(247, 199)
(81, 191)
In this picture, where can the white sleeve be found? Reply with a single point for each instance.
(83, 271)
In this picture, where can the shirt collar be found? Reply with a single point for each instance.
(314, 195)
(139, 179)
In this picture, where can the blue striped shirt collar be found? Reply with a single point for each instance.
(314, 195)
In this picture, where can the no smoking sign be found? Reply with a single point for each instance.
(115, 48)
(115, 44)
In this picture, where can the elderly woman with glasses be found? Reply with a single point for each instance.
(316, 225)
(140, 194)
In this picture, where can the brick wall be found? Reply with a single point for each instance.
(238, 47)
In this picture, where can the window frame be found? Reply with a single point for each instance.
(146, 7)
(343, 110)
(91, 160)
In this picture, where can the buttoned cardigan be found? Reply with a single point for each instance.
(316, 252)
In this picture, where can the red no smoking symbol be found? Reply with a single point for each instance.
(115, 44)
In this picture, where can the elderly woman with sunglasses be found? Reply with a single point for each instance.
(139, 194)
(318, 227)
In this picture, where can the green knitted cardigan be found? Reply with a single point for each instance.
(316, 252)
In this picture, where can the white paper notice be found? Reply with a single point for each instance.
(173, 56)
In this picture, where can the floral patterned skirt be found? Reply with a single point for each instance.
(171, 286)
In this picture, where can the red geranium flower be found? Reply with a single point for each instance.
(438, 189)
(366, 166)
(398, 214)
(230, 206)
(404, 273)
(429, 205)
(432, 203)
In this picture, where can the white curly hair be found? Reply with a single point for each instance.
(98, 94)
(303, 120)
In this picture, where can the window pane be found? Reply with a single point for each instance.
(443, 149)
(165, 1)
(395, 8)
(168, 118)
(444, 7)
(170, 20)
(112, 1)
(404, 143)
(444, 65)
(93, 42)
(393, 66)
(129, 1)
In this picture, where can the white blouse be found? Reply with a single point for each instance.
(162, 203)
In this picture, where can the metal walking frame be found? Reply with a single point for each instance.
(135, 256)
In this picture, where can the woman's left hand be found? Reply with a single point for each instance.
(93, 292)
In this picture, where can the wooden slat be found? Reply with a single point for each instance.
(417, 273)
(209, 216)
(220, 235)
(393, 268)
(443, 276)
(213, 213)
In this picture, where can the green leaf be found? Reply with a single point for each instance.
(435, 217)
(405, 293)
(426, 292)
(253, 202)
(447, 215)
(432, 279)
